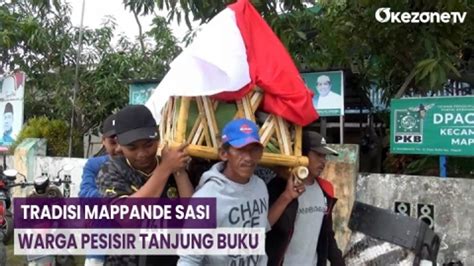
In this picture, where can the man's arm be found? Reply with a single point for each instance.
(334, 253)
(290, 193)
(111, 181)
(88, 183)
(185, 188)
(173, 160)
(208, 190)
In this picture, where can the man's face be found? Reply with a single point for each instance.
(7, 121)
(323, 86)
(141, 153)
(242, 162)
(111, 145)
(317, 162)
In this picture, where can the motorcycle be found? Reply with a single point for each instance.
(6, 218)
(43, 187)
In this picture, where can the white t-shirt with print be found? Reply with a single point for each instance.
(312, 205)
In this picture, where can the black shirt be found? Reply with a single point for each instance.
(118, 178)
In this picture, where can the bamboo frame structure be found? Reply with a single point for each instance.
(282, 140)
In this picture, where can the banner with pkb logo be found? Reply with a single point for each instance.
(434, 126)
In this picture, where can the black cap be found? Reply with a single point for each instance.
(315, 142)
(135, 122)
(108, 128)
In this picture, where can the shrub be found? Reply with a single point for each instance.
(55, 131)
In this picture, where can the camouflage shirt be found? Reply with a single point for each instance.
(117, 178)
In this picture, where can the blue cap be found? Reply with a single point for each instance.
(240, 132)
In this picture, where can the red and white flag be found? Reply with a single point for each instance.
(232, 54)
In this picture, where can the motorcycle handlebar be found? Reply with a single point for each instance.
(60, 182)
(22, 185)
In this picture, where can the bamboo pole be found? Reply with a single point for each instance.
(168, 134)
(283, 136)
(174, 118)
(164, 118)
(267, 130)
(256, 99)
(205, 132)
(195, 130)
(298, 140)
(240, 110)
(248, 109)
(211, 120)
(196, 137)
(182, 120)
(267, 158)
(279, 137)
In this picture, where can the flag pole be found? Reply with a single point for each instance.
(76, 79)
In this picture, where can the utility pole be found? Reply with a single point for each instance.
(76, 79)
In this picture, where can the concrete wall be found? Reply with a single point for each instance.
(342, 171)
(447, 204)
(30, 160)
(52, 165)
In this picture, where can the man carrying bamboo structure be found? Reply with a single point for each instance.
(140, 174)
(241, 196)
(301, 218)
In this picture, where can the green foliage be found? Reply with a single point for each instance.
(55, 131)
(38, 37)
(346, 35)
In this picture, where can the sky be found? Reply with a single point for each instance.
(96, 11)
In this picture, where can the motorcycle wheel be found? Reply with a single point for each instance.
(8, 235)
(62, 260)
(3, 254)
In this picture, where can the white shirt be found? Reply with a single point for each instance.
(312, 205)
(330, 101)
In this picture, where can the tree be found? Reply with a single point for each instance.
(398, 59)
(37, 37)
(345, 34)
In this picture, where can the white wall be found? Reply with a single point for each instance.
(51, 166)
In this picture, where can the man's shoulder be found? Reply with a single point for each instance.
(115, 164)
(258, 181)
(210, 187)
(97, 160)
(326, 186)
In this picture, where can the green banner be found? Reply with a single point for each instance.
(434, 126)
(139, 93)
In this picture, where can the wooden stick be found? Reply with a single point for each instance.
(279, 137)
(240, 110)
(211, 121)
(267, 159)
(182, 120)
(205, 126)
(164, 118)
(169, 135)
(195, 130)
(196, 135)
(248, 109)
(298, 140)
(284, 136)
(256, 99)
(267, 130)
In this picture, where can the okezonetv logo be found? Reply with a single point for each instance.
(384, 15)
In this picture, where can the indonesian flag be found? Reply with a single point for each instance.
(232, 54)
